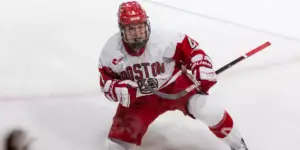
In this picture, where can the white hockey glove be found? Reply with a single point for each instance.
(121, 91)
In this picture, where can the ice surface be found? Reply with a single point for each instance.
(49, 78)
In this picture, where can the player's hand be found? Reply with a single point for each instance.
(202, 70)
(121, 91)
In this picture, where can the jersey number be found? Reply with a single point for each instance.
(193, 44)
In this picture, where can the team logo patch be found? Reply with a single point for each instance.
(116, 61)
(152, 82)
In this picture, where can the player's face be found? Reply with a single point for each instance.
(136, 32)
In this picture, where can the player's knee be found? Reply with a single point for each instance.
(212, 114)
(205, 109)
(114, 144)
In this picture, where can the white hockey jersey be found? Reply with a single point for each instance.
(158, 64)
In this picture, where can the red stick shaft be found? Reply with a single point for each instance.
(248, 54)
(257, 49)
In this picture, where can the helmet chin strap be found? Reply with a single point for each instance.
(137, 46)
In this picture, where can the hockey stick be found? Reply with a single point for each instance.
(197, 84)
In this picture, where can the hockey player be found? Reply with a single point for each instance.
(138, 54)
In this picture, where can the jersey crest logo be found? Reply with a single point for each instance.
(116, 61)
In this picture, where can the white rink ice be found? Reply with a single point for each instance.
(49, 79)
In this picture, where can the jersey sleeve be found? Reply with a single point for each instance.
(107, 66)
(106, 73)
(184, 50)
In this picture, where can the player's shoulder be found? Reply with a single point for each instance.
(166, 41)
(113, 44)
(166, 36)
(111, 49)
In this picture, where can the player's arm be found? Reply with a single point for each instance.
(114, 88)
(189, 53)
